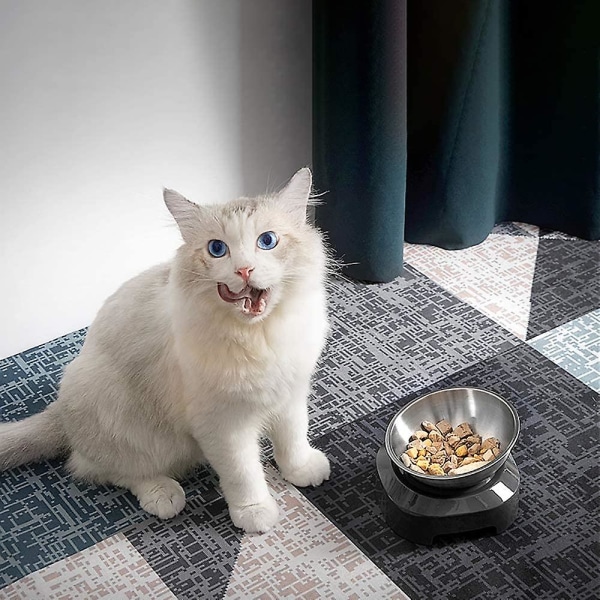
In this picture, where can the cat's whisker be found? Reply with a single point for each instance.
(338, 281)
(200, 276)
(316, 198)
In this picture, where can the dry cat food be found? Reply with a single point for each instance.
(440, 449)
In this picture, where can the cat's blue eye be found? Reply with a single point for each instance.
(267, 240)
(217, 248)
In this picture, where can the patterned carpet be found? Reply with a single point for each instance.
(518, 314)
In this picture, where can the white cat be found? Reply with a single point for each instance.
(195, 360)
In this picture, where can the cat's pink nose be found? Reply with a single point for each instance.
(244, 273)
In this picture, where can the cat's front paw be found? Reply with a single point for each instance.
(255, 518)
(313, 472)
(163, 497)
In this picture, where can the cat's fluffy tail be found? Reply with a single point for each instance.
(35, 438)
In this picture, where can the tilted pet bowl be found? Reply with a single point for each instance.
(488, 414)
(420, 506)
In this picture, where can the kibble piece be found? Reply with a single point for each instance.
(428, 426)
(418, 444)
(461, 451)
(466, 468)
(435, 436)
(469, 460)
(417, 469)
(453, 440)
(406, 460)
(412, 452)
(432, 449)
(488, 455)
(435, 469)
(427, 442)
(474, 439)
(448, 448)
(423, 463)
(496, 451)
(420, 435)
(489, 443)
(463, 430)
(474, 449)
(439, 458)
(444, 427)
(422, 452)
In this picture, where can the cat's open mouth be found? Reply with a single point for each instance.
(252, 301)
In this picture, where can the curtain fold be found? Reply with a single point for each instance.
(359, 131)
(435, 120)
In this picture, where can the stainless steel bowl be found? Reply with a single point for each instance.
(488, 414)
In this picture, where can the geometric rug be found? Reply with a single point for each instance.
(574, 346)
(494, 277)
(518, 314)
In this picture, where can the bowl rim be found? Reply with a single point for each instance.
(491, 467)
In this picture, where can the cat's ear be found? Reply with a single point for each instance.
(296, 193)
(185, 213)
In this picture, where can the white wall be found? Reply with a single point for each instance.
(104, 103)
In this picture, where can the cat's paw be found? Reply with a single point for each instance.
(255, 518)
(162, 497)
(313, 472)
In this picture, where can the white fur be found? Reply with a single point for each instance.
(170, 374)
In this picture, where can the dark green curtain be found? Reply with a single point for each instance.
(436, 119)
